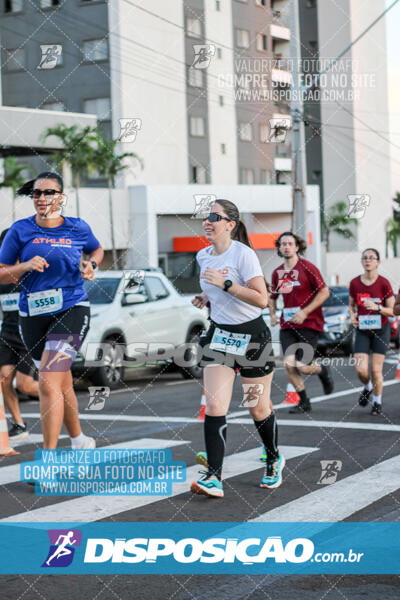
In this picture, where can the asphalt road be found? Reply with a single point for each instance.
(164, 407)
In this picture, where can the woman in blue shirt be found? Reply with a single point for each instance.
(54, 310)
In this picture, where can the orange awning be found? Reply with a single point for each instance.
(260, 241)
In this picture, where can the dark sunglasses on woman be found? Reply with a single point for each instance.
(214, 217)
(37, 193)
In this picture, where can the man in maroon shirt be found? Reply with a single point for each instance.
(304, 291)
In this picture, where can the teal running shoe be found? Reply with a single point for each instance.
(263, 455)
(209, 486)
(273, 473)
(201, 459)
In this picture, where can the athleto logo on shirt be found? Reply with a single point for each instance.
(62, 241)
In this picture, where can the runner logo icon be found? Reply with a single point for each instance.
(62, 547)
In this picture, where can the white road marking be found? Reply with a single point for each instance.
(342, 499)
(327, 424)
(129, 418)
(33, 438)
(94, 508)
(11, 473)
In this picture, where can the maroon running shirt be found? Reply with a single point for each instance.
(298, 288)
(377, 292)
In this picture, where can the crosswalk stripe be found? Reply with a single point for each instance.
(342, 499)
(90, 508)
(10, 473)
(33, 438)
(129, 418)
(326, 424)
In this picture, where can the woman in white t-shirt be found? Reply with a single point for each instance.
(233, 283)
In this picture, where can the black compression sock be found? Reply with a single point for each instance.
(303, 397)
(215, 438)
(268, 431)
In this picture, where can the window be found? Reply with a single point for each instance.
(193, 27)
(219, 52)
(98, 106)
(245, 132)
(198, 174)
(13, 6)
(197, 126)
(223, 148)
(264, 134)
(94, 50)
(217, 5)
(242, 38)
(156, 288)
(53, 106)
(49, 3)
(265, 176)
(221, 100)
(195, 77)
(15, 59)
(262, 42)
(247, 176)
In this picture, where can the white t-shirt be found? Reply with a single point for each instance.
(239, 264)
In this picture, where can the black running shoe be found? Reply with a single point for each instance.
(301, 408)
(327, 380)
(376, 409)
(364, 397)
(18, 432)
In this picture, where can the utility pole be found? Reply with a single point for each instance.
(299, 177)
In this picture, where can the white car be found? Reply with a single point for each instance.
(133, 309)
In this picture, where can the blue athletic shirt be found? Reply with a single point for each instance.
(61, 246)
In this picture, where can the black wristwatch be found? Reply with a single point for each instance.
(379, 307)
(227, 284)
(94, 264)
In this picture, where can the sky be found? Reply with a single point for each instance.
(393, 62)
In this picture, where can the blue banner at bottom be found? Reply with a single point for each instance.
(201, 548)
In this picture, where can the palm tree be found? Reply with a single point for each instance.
(13, 178)
(392, 235)
(78, 148)
(338, 222)
(108, 165)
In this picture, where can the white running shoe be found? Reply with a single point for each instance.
(89, 443)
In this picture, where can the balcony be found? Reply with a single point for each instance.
(282, 164)
(279, 32)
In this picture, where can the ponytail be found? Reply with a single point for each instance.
(240, 234)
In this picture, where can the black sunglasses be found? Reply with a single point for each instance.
(214, 217)
(37, 193)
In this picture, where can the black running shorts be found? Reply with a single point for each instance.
(13, 352)
(376, 341)
(60, 332)
(256, 362)
(301, 342)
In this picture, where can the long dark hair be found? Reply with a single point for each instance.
(240, 232)
(300, 243)
(27, 188)
(232, 212)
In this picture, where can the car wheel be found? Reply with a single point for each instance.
(195, 371)
(111, 373)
